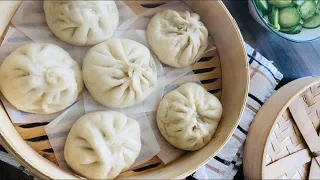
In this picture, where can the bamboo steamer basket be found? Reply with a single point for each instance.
(283, 141)
(29, 144)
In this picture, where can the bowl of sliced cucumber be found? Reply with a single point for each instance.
(294, 20)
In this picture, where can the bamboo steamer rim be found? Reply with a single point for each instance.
(45, 173)
(303, 89)
(253, 153)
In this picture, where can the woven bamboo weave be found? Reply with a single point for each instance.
(286, 139)
(207, 69)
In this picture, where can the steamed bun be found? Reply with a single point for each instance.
(82, 22)
(188, 116)
(177, 38)
(119, 72)
(102, 144)
(40, 78)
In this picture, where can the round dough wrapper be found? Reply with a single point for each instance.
(40, 78)
(102, 144)
(82, 22)
(119, 72)
(188, 116)
(177, 38)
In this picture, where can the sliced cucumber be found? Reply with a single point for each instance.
(273, 16)
(274, 27)
(289, 17)
(308, 9)
(312, 22)
(292, 30)
(298, 2)
(262, 6)
(281, 3)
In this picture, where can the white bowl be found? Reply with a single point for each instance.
(305, 35)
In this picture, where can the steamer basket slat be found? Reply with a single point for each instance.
(227, 79)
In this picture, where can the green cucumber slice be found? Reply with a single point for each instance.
(289, 17)
(312, 22)
(262, 5)
(273, 15)
(298, 2)
(292, 30)
(281, 3)
(308, 9)
(274, 27)
(273, 18)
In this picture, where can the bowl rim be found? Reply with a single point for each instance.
(273, 31)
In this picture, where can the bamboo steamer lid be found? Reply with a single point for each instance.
(283, 141)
